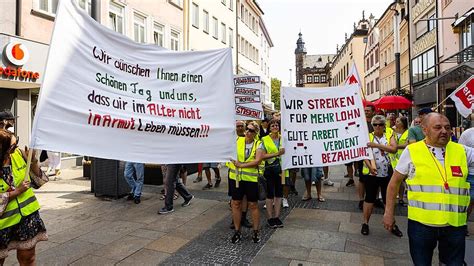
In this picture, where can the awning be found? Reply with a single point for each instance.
(463, 17)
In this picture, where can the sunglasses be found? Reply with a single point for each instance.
(274, 125)
(251, 130)
(381, 125)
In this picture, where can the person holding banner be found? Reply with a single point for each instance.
(243, 181)
(21, 226)
(272, 149)
(382, 143)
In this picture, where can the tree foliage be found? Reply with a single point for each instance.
(276, 86)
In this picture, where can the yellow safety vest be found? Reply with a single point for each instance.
(388, 135)
(429, 202)
(25, 203)
(272, 148)
(394, 157)
(244, 174)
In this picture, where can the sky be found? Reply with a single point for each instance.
(322, 23)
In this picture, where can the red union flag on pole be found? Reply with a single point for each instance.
(353, 77)
(463, 97)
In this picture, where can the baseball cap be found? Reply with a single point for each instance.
(424, 111)
(7, 115)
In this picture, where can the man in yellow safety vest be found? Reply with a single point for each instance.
(438, 193)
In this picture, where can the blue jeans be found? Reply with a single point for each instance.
(135, 175)
(423, 240)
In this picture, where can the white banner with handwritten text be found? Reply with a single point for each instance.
(106, 96)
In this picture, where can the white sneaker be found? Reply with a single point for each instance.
(328, 182)
(265, 206)
(284, 202)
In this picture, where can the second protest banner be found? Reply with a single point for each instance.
(323, 126)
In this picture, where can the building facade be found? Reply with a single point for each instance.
(387, 50)
(456, 51)
(311, 70)
(423, 51)
(372, 61)
(351, 52)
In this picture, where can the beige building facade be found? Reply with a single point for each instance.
(372, 62)
(351, 52)
(387, 51)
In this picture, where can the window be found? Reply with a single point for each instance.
(376, 56)
(174, 40)
(323, 78)
(178, 3)
(466, 35)
(195, 15)
(231, 38)
(231, 5)
(242, 8)
(215, 27)
(205, 21)
(48, 6)
(309, 79)
(261, 64)
(423, 66)
(371, 60)
(158, 34)
(376, 84)
(316, 79)
(223, 33)
(367, 65)
(368, 87)
(86, 5)
(139, 28)
(116, 22)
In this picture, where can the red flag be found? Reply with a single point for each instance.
(463, 97)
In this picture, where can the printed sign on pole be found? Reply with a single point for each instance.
(323, 126)
(106, 96)
(248, 104)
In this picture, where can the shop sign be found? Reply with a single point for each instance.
(18, 55)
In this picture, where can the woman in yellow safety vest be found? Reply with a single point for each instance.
(382, 143)
(272, 147)
(401, 135)
(243, 181)
(21, 226)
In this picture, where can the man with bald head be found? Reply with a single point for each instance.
(438, 193)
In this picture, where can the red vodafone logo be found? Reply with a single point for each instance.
(17, 53)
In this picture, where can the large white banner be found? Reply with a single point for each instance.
(106, 96)
(323, 126)
(248, 103)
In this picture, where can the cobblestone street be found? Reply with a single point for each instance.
(85, 230)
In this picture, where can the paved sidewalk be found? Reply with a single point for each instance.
(85, 230)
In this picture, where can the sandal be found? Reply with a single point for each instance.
(321, 199)
(176, 196)
(306, 198)
(396, 231)
(162, 197)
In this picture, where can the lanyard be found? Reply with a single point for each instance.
(445, 176)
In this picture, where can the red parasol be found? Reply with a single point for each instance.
(393, 103)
